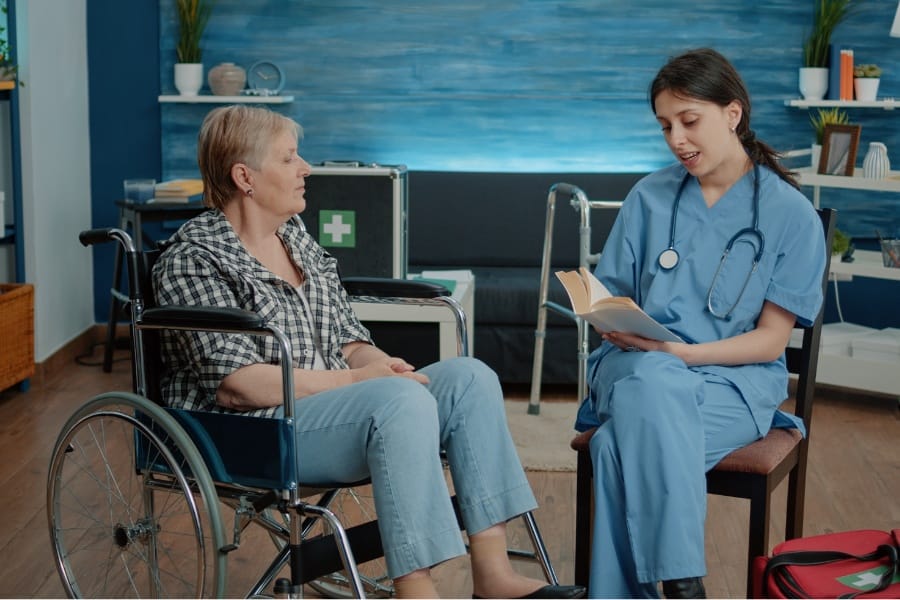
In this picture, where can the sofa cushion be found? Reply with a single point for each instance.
(498, 219)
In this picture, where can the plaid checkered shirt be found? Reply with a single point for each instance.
(205, 264)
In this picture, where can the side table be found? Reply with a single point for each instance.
(463, 293)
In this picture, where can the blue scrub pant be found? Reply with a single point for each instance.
(663, 426)
(392, 429)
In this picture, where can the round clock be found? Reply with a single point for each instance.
(266, 78)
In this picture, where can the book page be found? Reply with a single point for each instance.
(607, 312)
(613, 316)
(596, 290)
(575, 287)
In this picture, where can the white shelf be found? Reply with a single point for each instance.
(890, 183)
(858, 373)
(848, 371)
(208, 99)
(885, 103)
(866, 263)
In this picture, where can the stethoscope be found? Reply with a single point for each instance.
(669, 258)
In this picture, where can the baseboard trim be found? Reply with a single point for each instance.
(83, 344)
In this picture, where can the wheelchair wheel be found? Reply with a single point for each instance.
(353, 506)
(131, 506)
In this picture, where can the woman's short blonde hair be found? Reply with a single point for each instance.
(235, 134)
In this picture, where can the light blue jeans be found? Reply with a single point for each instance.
(392, 429)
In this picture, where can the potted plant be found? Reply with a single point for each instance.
(827, 15)
(827, 116)
(192, 18)
(840, 243)
(8, 68)
(865, 81)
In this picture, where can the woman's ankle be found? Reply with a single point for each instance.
(417, 584)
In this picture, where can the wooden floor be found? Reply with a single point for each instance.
(853, 483)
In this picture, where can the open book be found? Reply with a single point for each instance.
(592, 302)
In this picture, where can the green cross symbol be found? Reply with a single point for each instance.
(866, 580)
(337, 228)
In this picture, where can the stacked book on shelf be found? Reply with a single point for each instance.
(178, 191)
(840, 74)
(846, 74)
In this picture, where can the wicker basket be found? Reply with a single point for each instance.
(16, 333)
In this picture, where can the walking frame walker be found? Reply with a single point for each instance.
(579, 201)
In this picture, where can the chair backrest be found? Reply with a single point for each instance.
(803, 361)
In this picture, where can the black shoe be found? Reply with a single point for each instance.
(689, 587)
(555, 591)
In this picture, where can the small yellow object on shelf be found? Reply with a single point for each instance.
(178, 190)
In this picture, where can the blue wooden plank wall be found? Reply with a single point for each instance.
(522, 85)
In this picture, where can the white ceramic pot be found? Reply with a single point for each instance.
(876, 164)
(188, 78)
(815, 155)
(866, 88)
(813, 82)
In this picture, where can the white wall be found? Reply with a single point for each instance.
(52, 42)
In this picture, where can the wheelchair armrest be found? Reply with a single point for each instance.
(224, 320)
(393, 288)
(202, 318)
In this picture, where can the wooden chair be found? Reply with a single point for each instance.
(752, 472)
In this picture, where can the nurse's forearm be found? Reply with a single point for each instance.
(748, 348)
(763, 344)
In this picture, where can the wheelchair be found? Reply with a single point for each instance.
(138, 493)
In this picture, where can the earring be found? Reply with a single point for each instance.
(249, 192)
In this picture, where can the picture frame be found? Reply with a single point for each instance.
(839, 146)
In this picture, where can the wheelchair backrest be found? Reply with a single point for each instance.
(149, 339)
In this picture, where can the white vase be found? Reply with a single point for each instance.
(188, 78)
(813, 82)
(876, 164)
(866, 88)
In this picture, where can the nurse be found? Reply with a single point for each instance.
(723, 249)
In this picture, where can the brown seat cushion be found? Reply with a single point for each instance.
(760, 457)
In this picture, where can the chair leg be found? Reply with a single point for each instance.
(758, 545)
(796, 496)
(584, 509)
(540, 549)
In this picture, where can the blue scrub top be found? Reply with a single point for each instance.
(789, 273)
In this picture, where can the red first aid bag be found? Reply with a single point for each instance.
(835, 565)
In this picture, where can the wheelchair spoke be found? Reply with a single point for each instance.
(124, 520)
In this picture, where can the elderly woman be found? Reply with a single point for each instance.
(358, 411)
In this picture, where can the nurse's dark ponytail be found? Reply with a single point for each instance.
(705, 74)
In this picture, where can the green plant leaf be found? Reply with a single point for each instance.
(827, 16)
(827, 116)
(192, 18)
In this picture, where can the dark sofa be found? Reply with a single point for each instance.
(493, 224)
